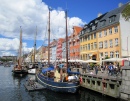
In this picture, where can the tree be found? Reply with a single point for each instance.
(126, 12)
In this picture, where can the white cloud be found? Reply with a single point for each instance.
(29, 14)
(11, 46)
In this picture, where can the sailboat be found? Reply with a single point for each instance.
(33, 65)
(20, 69)
(52, 79)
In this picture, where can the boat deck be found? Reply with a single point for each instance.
(32, 85)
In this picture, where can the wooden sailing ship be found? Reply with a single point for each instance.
(52, 79)
(19, 69)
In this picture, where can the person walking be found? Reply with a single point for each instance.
(96, 69)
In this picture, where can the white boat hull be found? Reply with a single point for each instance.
(32, 71)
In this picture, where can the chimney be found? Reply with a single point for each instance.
(120, 4)
(99, 14)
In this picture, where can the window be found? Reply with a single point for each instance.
(105, 33)
(100, 34)
(91, 36)
(116, 29)
(112, 19)
(116, 42)
(100, 45)
(86, 46)
(88, 37)
(93, 27)
(103, 22)
(110, 31)
(106, 54)
(81, 48)
(89, 46)
(95, 45)
(111, 54)
(105, 44)
(94, 35)
(111, 44)
(101, 55)
(117, 54)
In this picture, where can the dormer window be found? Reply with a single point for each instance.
(103, 22)
(112, 18)
(93, 27)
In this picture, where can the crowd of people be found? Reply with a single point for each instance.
(111, 68)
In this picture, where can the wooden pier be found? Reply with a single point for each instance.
(32, 85)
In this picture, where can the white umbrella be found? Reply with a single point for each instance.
(114, 59)
(92, 61)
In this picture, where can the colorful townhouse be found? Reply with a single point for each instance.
(64, 49)
(59, 49)
(106, 36)
(74, 43)
(53, 47)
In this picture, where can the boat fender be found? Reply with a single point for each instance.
(80, 80)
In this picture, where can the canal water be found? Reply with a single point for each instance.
(12, 89)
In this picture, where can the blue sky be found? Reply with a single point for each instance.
(32, 13)
(87, 10)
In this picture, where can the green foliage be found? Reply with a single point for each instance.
(106, 57)
(91, 64)
(126, 12)
(5, 60)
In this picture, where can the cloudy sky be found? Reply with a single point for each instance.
(31, 13)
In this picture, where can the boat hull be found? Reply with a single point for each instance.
(19, 72)
(64, 87)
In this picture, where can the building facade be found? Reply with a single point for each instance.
(106, 36)
(59, 49)
(74, 43)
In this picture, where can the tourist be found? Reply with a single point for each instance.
(96, 69)
(111, 69)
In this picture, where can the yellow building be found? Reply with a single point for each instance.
(105, 36)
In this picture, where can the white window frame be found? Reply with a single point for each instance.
(117, 54)
(100, 44)
(106, 54)
(111, 43)
(105, 44)
(116, 29)
(100, 34)
(116, 41)
(111, 54)
(105, 32)
(110, 31)
(95, 45)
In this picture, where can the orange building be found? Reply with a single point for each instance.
(74, 43)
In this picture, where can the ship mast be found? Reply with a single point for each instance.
(35, 44)
(66, 40)
(49, 39)
(20, 48)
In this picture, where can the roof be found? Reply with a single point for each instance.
(96, 24)
(116, 12)
(77, 29)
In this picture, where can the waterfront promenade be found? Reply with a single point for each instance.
(114, 86)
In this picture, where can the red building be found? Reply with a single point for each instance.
(59, 49)
(75, 43)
